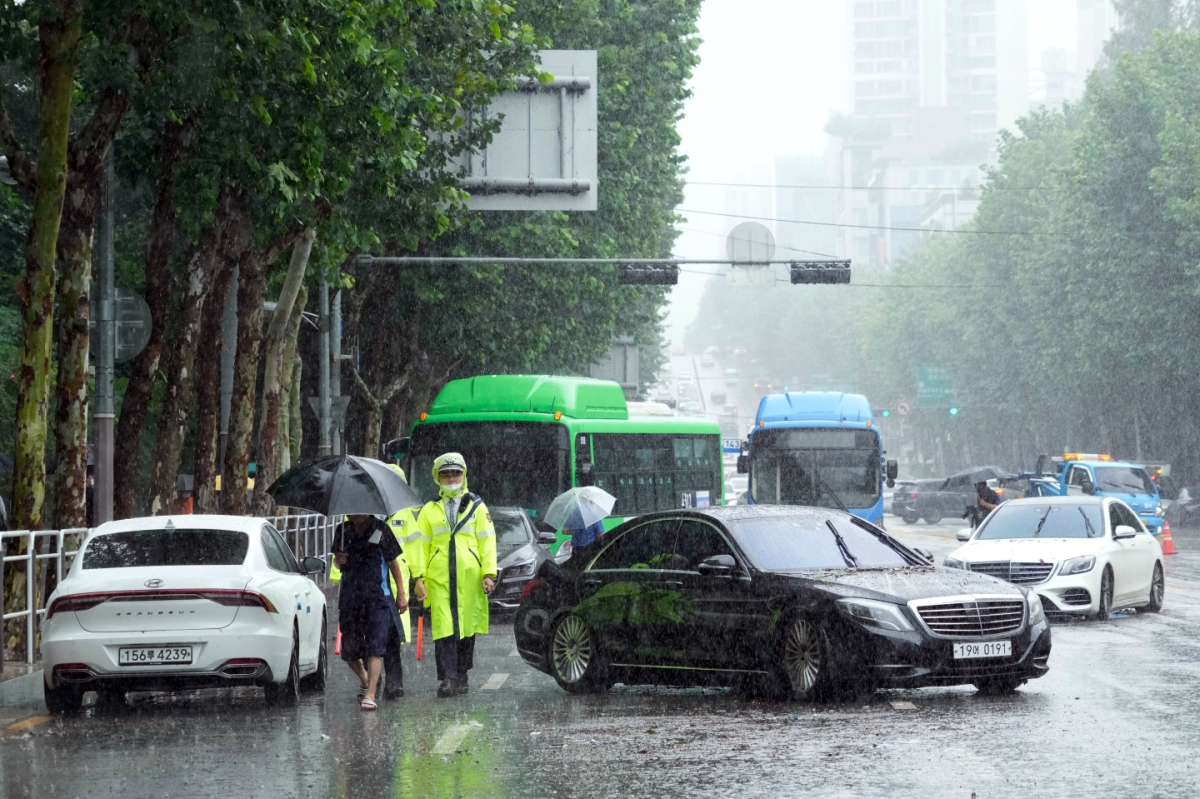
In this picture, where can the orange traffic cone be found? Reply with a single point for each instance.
(420, 633)
(1168, 546)
(337, 647)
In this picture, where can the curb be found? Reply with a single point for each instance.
(21, 690)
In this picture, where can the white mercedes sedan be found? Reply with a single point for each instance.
(1082, 555)
(182, 602)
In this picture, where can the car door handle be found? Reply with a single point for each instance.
(672, 583)
(592, 583)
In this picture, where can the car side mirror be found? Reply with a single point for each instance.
(963, 534)
(717, 566)
(1089, 488)
(743, 464)
(1124, 531)
(892, 469)
(546, 537)
(313, 566)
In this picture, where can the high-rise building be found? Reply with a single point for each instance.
(1095, 22)
(932, 83)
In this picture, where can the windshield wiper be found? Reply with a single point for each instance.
(841, 543)
(1091, 530)
(1038, 531)
(825, 489)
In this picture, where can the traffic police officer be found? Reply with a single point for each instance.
(455, 571)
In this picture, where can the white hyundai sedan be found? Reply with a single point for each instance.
(183, 602)
(1082, 555)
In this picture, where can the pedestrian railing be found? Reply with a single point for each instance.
(49, 554)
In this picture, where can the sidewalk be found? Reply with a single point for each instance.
(20, 684)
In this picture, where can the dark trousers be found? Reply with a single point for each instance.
(392, 664)
(454, 656)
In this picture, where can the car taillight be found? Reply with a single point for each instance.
(912, 496)
(528, 589)
(238, 599)
(66, 604)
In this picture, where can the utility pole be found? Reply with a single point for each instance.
(102, 497)
(324, 448)
(229, 328)
(337, 424)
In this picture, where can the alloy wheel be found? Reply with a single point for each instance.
(571, 649)
(1157, 590)
(802, 656)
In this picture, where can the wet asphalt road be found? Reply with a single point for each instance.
(1116, 716)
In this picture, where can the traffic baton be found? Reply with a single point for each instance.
(420, 633)
(337, 647)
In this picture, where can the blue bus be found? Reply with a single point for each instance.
(817, 448)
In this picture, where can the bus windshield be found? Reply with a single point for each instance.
(522, 464)
(816, 466)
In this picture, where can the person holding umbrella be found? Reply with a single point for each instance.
(366, 551)
(455, 571)
(580, 512)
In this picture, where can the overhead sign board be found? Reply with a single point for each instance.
(731, 446)
(131, 318)
(934, 387)
(544, 157)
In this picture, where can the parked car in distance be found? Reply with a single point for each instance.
(937, 499)
(729, 410)
(184, 602)
(717, 397)
(1083, 555)
(794, 601)
(763, 386)
(731, 376)
(707, 361)
(520, 552)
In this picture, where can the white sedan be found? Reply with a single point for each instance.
(1082, 555)
(182, 602)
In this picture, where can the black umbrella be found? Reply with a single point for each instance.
(978, 474)
(344, 485)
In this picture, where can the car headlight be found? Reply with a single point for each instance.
(1158, 511)
(1036, 612)
(1084, 563)
(883, 615)
(522, 569)
(953, 563)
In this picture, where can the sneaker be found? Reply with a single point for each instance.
(446, 689)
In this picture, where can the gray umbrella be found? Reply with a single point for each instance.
(344, 485)
(978, 474)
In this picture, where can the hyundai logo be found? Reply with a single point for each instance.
(154, 583)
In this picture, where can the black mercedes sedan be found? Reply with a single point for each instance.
(795, 601)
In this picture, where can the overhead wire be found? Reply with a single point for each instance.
(867, 227)
(777, 246)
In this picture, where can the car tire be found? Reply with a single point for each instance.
(575, 659)
(315, 682)
(1157, 591)
(66, 700)
(998, 686)
(910, 518)
(286, 692)
(933, 516)
(1106, 595)
(804, 660)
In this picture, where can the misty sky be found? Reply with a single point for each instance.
(771, 72)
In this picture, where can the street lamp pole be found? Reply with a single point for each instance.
(105, 416)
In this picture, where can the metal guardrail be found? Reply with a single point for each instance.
(309, 535)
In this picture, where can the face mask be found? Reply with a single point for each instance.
(453, 486)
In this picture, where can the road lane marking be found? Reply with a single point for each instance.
(516, 653)
(451, 739)
(904, 706)
(495, 681)
(25, 724)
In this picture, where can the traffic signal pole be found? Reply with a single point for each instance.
(106, 345)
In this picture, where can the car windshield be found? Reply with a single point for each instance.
(1038, 520)
(135, 548)
(511, 533)
(788, 544)
(1123, 480)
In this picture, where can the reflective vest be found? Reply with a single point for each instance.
(453, 563)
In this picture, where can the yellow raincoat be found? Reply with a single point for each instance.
(470, 548)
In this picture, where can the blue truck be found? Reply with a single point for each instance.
(1101, 476)
(817, 448)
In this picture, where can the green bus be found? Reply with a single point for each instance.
(528, 438)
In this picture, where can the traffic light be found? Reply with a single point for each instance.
(649, 274)
(954, 411)
(886, 413)
(820, 272)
